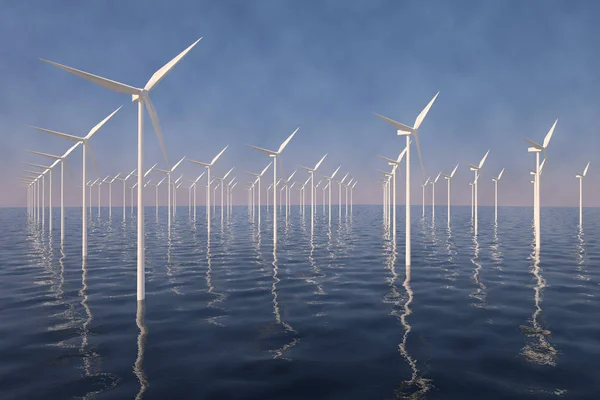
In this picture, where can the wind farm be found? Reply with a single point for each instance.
(273, 237)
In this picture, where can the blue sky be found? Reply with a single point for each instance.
(504, 70)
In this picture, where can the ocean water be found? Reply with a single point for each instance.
(333, 314)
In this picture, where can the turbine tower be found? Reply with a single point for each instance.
(394, 163)
(168, 172)
(311, 171)
(405, 130)
(433, 182)
(329, 179)
(476, 170)
(496, 179)
(258, 176)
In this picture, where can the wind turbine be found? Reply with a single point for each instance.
(194, 182)
(433, 182)
(229, 185)
(449, 178)
(496, 179)
(423, 186)
(311, 171)
(287, 193)
(168, 172)
(580, 177)
(351, 196)
(340, 196)
(222, 182)
(537, 148)
(175, 186)
(472, 200)
(394, 163)
(141, 96)
(405, 130)
(258, 176)
(156, 193)
(231, 194)
(47, 168)
(124, 180)
(100, 182)
(209, 182)
(316, 187)
(275, 155)
(86, 147)
(476, 169)
(302, 192)
(329, 179)
(110, 194)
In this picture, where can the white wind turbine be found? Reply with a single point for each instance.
(194, 185)
(86, 147)
(316, 187)
(472, 200)
(168, 172)
(231, 195)
(329, 179)
(394, 163)
(91, 184)
(351, 195)
(208, 166)
(327, 185)
(47, 168)
(156, 186)
(222, 183)
(287, 193)
(175, 187)
(268, 190)
(258, 176)
(302, 196)
(275, 155)
(405, 130)
(580, 177)
(141, 96)
(124, 180)
(340, 196)
(228, 194)
(347, 184)
(100, 182)
(311, 171)
(537, 148)
(535, 175)
(449, 178)
(110, 182)
(496, 179)
(423, 186)
(476, 169)
(433, 182)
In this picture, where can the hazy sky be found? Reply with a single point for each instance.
(504, 69)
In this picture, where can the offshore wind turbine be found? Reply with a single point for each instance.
(405, 130)
(141, 96)
(124, 180)
(311, 171)
(208, 166)
(194, 185)
(316, 187)
(222, 182)
(156, 186)
(86, 147)
(168, 172)
(287, 193)
(351, 195)
(423, 186)
(476, 169)
(449, 178)
(47, 168)
(329, 179)
(394, 163)
(347, 184)
(537, 148)
(231, 195)
(110, 182)
(100, 182)
(258, 176)
(472, 200)
(580, 177)
(433, 182)
(228, 194)
(340, 195)
(496, 179)
(175, 186)
(275, 155)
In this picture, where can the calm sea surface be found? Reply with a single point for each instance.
(330, 315)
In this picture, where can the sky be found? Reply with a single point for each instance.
(504, 69)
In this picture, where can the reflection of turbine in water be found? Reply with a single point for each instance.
(108, 380)
(581, 256)
(287, 327)
(138, 367)
(497, 255)
(317, 274)
(217, 297)
(451, 274)
(416, 386)
(169, 264)
(480, 292)
(539, 351)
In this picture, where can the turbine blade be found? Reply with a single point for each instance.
(161, 73)
(228, 172)
(287, 141)
(549, 134)
(542, 165)
(399, 125)
(534, 144)
(92, 155)
(500, 174)
(150, 170)
(70, 150)
(306, 168)
(218, 155)
(59, 134)
(454, 171)
(199, 163)
(157, 130)
(43, 154)
(401, 156)
(335, 172)
(586, 168)
(423, 113)
(483, 159)
(319, 163)
(99, 125)
(266, 168)
(437, 177)
(107, 83)
(416, 134)
(387, 159)
(178, 162)
(269, 152)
